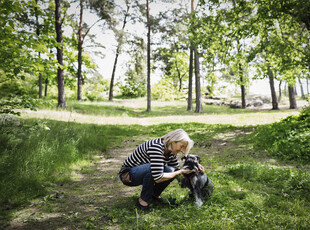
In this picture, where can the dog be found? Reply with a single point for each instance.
(200, 185)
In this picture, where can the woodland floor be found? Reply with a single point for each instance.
(81, 203)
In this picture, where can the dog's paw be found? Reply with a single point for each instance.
(198, 203)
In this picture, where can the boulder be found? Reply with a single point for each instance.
(235, 104)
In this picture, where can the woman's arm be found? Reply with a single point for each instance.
(171, 175)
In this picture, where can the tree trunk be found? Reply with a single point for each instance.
(45, 90)
(272, 89)
(190, 74)
(190, 81)
(243, 102)
(38, 33)
(113, 74)
(292, 98)
(285, 89)
(308, 87)
(60, 73)
(197, 81)
(40, 85)
(148, 57)
(118, 50)
(80, 52)
(179, 76)
(280, 91)
(301, 89)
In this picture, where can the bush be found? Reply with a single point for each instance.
(287, 139)
(289, 181)
(164, 90)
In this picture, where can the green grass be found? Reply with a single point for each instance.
(41, 157)
(38, 151)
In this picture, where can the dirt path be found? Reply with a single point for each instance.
(80, 204)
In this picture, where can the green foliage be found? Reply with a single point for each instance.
(166, 90)
(95, 88)
(292, 182)
(12, 103)
(133, 86)
(287, 139)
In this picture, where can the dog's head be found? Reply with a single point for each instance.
(191, 162)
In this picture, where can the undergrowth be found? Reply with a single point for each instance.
(288, 139)
(37, 152)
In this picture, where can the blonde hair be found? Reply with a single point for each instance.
(178, 135)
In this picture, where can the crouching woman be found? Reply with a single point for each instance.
(154, 165)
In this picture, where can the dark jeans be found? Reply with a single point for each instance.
(141, 175)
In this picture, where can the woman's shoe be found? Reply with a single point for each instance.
(159, 199)
(144, 208)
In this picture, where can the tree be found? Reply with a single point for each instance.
(197, 82)
(190, 71)
(148, 57)
(193, 46)
(275, 105)
(120, 40)
(60, 71)
(134, 84)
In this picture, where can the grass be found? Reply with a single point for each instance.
(137, 108)
(131, 112)
(59, 174)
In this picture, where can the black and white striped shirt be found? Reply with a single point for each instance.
(152, 152)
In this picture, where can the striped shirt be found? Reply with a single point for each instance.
(152, 152)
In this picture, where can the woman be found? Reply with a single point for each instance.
(146, 166)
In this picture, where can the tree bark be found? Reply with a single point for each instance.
(38, 33)
(40, 86)
(60, 73)
(275, 105)
(80, 52)
(280, 91)
(190, 74)
(301, 89)
(148, 57)
(243, 102)
(118, 50)
(45, 90)
(197, 81)
(292, 98)
(113, 75)
(190, 81)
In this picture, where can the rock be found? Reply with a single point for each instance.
(9, 119)
(235, 104)
(257, 103)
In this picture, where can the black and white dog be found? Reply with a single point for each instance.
(199, 184)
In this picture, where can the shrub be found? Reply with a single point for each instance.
(289, 181)
(165, 90)
(287, 139)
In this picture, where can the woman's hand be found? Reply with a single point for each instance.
(201, 168)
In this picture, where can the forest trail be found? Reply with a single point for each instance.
(80, 203)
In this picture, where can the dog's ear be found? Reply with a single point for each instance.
(183, 158)
(198, 159)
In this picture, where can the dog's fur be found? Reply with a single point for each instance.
(199, 184)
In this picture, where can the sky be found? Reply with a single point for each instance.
(106, 38)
